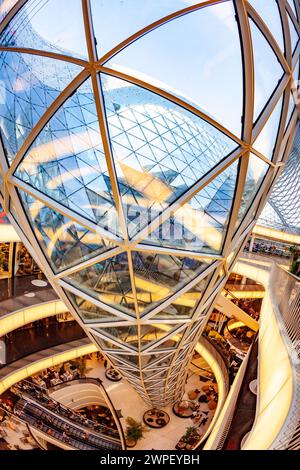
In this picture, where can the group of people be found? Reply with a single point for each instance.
(247, 306)
(52, 405)
(199, 417)
(51, 377)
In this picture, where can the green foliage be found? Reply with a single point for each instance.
(191, 436)
(134, 429)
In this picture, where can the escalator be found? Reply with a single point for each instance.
(61, 425)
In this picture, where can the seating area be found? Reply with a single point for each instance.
(201, 403)
(56, 375)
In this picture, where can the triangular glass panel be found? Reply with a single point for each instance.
(89, 312)
(200, 224)
(153, 388)
(293, 33)
(296, 76)
(158, 276)
(266, 140)
(270, 218)
(107, 281)
(5, 7)
(182, 355)
(153, 333)
(64, 242)
(52, 26)
(153, 176)
(130, 336)
(170, 343)
(131, 358)
(290, 110)
(175, 372)
(122, 334)
(132, 373)
(184, 306)
(67, 161)
(147, 360)
(29, 85)
(106, 345)
(153, 376)
(121, 362)
(163, 363)
(269, 13)
(195, 77)
(127, 18)
(267, 69)
(257, 170)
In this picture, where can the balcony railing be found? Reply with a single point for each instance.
(285, 294)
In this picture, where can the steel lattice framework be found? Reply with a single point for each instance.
(139, 148)
(282, 211)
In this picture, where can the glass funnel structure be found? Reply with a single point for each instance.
(139, 146)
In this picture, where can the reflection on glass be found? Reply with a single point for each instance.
(105, 345)
(151, 359)
(199, 225)
(63, 241)
(130, 336)
(170, 343)
(5, 7)
(184, 306)
(266, 140)
(267, 70)
(296, 75)
(294, 34)
(67, 161)
(160, 149)
(163, 363)
(290, 110)
(127, 18)
(48, 26)
(123, 334)
(178, 57)
(28, 86)
(157, 277)
(89, 312)
(257, 170)
(108, 281)
(269, 12)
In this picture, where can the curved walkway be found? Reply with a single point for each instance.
(276, 383)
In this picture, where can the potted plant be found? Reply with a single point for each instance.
(295, 261)
(134, 432)
(191, 436)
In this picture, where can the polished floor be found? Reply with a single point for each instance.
(13, 294)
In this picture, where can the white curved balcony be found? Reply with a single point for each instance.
(277, 418)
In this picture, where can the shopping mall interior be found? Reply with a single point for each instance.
(149, 225)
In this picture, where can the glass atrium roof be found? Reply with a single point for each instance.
(138, 147)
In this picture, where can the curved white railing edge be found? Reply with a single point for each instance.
(221, 427)
(270, 420)
(292, 422)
